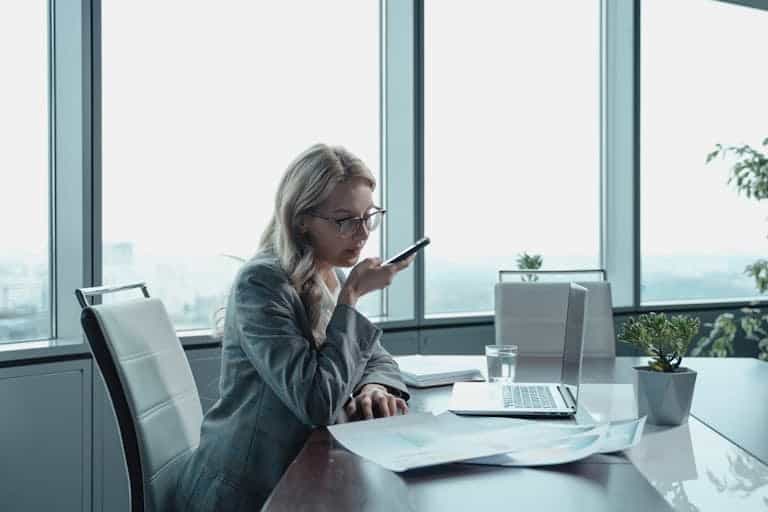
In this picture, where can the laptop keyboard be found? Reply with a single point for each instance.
(527, 397)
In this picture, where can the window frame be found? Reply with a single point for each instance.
(201, 337)
(73, 216)
(638, 306)
(609, 233)
(72, 195)
(75, 168)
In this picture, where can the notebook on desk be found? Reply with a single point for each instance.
(420, 371)
(534, 398)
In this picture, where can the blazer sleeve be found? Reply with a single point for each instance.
(313, 383)
(382, 369)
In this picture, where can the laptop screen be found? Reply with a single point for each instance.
(574, 338)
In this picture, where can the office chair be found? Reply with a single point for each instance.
(151, 388)
(599, 332)
(542, 335)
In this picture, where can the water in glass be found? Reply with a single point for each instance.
(502, 360)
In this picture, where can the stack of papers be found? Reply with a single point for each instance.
(420, 371)
(582, 442)
(400, 443)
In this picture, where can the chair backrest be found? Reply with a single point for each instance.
(532, 316)
(152, 390)
(599, 333)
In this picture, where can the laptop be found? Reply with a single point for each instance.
(533, 398)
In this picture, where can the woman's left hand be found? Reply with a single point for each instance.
(374, 401)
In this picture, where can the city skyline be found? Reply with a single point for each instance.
(193, 288)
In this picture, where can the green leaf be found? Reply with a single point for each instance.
(527, 261)
(665, 339)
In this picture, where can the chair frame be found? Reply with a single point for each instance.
(600, 271)
(106, 364)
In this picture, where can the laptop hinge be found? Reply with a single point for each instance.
(567, 396)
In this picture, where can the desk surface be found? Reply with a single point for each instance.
(732, 398)
(707, 464)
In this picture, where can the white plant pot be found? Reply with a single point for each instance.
(664, 397)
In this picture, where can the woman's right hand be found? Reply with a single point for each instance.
(370, 275)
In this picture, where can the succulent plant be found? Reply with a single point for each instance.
(665, 339)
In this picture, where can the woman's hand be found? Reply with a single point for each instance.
(374, 401)
(370, 275)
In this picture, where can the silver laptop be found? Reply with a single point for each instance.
(533, 398)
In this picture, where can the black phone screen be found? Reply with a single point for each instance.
(408, 251)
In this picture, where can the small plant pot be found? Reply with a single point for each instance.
(665, 398)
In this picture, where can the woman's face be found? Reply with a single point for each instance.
(353, 198)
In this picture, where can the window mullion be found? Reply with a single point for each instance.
(71, 173)
(620, 212)
(399, 174)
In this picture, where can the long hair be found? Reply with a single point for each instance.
(308, 182)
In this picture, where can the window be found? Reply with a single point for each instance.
(24, 172)
(708, 87)
(511, 143)
(202, 114)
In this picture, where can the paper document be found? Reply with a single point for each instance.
(605, 438)
(623, 435)
(418, 440)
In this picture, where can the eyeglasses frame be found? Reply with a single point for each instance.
(339, 222)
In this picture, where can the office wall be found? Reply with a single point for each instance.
(45, 437)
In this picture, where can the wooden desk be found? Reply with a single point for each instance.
(671, 469)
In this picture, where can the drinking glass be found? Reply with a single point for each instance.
(502, 360)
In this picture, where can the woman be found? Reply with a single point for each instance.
(296, 353)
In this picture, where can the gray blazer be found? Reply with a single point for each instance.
(275, 387)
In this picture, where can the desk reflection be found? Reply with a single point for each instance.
(720, 476)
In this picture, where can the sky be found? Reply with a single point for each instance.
(23, 129)
(703, 82)
(512, 135)
(202, 124)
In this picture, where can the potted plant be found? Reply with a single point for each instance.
(527, 261)
(663, 389)
(749, 175)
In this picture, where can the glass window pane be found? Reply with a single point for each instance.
(512, 143)
(24, 205)
(698, 233)
(201, 116)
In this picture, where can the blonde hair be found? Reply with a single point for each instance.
(307, 183)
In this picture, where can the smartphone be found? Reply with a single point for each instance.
(408, 251)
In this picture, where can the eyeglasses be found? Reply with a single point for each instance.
(348, 226)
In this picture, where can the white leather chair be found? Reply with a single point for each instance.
(519, 318)
(151, 387)
(599, 332)
(532, 316)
